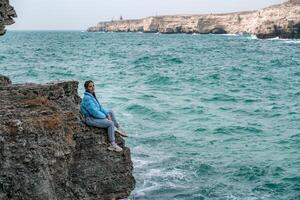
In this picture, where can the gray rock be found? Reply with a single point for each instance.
(7, 13)
(4, 80)
(47, 152)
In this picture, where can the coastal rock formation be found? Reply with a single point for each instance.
(7, 13)
(47, 152)
(276, 21)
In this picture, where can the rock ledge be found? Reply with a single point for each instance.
(46, 152)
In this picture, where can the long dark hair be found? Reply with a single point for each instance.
(86, 85)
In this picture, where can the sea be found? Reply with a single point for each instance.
(208, 116)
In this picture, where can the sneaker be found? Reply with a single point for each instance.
(114, 147)
(121, 132)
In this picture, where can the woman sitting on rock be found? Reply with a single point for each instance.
(97, 116)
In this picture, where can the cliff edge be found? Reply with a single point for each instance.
(7, 13)
(281, 20)
(46, 152)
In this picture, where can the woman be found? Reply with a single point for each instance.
(96, 115)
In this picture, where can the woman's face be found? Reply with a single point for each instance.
(91, 87)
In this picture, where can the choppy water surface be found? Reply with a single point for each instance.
(209, 116)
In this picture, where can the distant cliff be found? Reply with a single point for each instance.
(7, 13)
(275, 21)
(47, 152)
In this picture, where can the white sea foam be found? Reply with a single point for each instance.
(276, 38)
(154, 173)
(126, 114)
(147, 187)
(176, 174)
(139, 163)
(253, 37)
(292, 41)
(230, 34)
(173, 174)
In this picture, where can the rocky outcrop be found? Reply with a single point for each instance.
(4, 80)
(7, 13)
(294, 1)
(47, 152)
(276, 21)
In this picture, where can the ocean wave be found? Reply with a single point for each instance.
(158, 79)
(200, 130)
(205, 169)
(250, 173)
(140, 163)
(252, 37)
(230, 34)
(275, 38)
(220, 98)
(167, 174)
(236, 129)
(291, 41)
(193, 105)
(155, 140)
(142, 59)
(173, 60)
(148, 186)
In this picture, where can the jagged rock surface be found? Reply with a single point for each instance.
(276, 21)
(46, 152)
(4, 80)
(7, 13)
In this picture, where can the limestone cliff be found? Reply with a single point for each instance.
(46, 152)
(7, 13)
(276, 21)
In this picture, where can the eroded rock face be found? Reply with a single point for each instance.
(47, 152)
(7, 13)
(276, 21)
(4, 80)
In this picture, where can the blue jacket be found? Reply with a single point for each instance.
(90, 107)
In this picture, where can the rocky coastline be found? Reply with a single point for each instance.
(47, 152)
(281, 21)
(7, 13)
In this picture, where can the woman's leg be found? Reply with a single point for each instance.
(103, 123)
(113, 117)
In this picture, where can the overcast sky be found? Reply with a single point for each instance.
(80, 14)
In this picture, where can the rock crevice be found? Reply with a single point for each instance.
(47, 152)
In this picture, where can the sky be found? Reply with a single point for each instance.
(81, 14)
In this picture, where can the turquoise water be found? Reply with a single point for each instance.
(209, 116)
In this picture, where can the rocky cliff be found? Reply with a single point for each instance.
(46, 152)
(7, 13)
(276, 21)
